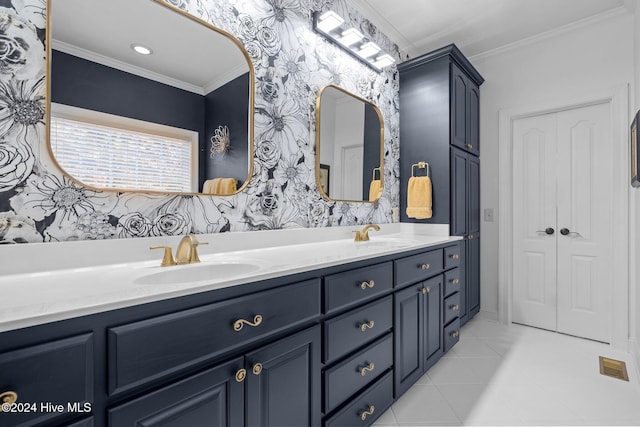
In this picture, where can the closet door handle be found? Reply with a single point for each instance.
(567, 232)
(548, 230)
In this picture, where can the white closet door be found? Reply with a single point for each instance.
(534, 199)
(563, 180)
(585, 184)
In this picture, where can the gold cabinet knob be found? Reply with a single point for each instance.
(470, 236)
(455, 334)
(8, 397)
(241, 374)
(367, 325)
(257, 369)
(425, 266)
(239, 324)
(365, 369)
(455, 307)
(425, 290)
(454, 256)
(455, 281)
(469, 146)
(369, 284)
(364, 414)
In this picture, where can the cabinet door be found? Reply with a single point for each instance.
(473, 119)
(459, 184)
(283, 382)
(473, 238)
(409, 337)
(459, 108)
(473, 195)
(211, 398)
(432, 321)
(473, 276)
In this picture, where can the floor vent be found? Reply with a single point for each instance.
(613, 368)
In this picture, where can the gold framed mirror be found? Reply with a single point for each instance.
(178, 119)
(349, 146)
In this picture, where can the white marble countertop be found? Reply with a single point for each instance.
(56, 281)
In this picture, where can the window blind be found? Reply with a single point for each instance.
(115, 158)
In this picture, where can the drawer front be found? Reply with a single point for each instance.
(451, 308)
(452, 256)
(418, 267)
(343, 380)
(351, 287)
(351, 330)
(212, 398)
(367, 407)
(143, 351)
(59, 372)
(451, 334)
(452, 282)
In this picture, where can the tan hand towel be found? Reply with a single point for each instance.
(227, 186)
(375, 190)
(209, 186)
(419, 194)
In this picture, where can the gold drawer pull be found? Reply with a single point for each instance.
(363, 327)
(455, 281)
(369, 284)
(241, 374)
(364, 414)
(239, 324)
(425, 266)
(365, 369)
(425, 290)
(257, 369)
(8, 397)
(455, 307)
(454, 256)
(469, 146)
(455, 334)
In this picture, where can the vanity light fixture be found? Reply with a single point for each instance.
(336, 29)
(142, 50)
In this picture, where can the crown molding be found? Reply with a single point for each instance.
(123, 66)
(609, 14)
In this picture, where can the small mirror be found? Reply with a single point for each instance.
(145, 97)
(349, 146)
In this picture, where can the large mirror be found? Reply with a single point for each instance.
(349, 146)
(144, 97)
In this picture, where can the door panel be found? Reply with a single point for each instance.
(534, 197)
(584, 209)
(473, 185)
(459, 193)
(459, 101)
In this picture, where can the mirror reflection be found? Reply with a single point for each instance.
(144, 97)
(349, 146)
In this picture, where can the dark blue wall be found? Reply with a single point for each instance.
(228, 106)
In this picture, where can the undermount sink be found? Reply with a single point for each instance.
(197, 273)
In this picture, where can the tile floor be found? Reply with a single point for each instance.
(517, 375)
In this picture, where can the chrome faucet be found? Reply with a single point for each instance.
(186, 253)
(363, 235)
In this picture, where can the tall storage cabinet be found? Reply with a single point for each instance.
(440, 124)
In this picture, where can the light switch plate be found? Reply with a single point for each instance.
(488, 215)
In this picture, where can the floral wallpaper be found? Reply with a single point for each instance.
(292, 63)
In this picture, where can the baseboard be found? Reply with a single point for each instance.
(634, 349)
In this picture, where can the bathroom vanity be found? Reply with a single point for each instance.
(329, 333)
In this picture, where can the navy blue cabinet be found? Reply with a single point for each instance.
(440, 124)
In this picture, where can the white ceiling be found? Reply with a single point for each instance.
(476, 26)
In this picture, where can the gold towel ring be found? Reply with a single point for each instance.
(421, 165)
(373, 178)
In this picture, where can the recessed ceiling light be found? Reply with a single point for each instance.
(142, 50)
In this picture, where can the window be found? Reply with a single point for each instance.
(114, 152)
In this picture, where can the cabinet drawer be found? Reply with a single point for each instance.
(63, 369)
(143, 351)
(213, 397)
(451, 334)
(343, 380)
(452, 256)
(451, 307)
(350, 287)
(367, 407)
(451, 282)
(351, 330)
(418, 267)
